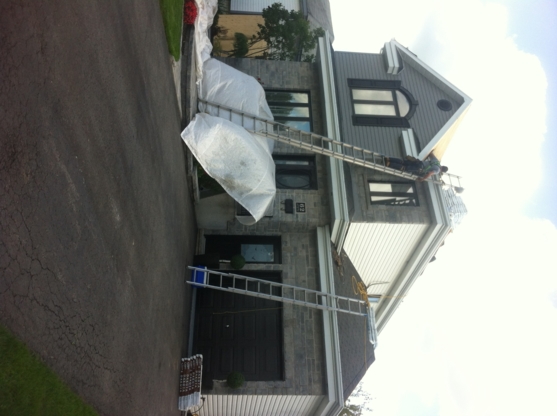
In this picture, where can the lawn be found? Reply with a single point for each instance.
(28, 387)
(172, 11)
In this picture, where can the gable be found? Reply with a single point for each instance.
(426, 118)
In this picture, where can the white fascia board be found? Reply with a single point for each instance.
(432, 240)
(330, 329)
(413, 60)
(336, 172)
(390, 61)
(396, 69)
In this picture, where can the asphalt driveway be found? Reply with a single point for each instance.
(96, 221)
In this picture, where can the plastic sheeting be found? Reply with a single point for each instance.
(240, 161)
(206, 10)
(236, 159)
(227, 86)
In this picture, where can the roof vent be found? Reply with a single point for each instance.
(444, 105)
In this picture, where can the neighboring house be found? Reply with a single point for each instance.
(347, 222)
(243, 16)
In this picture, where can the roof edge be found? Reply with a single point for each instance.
(339, 206)
(432, 240)
(330, 328)
(456, 117)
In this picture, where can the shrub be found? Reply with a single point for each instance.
(237, 262)
(235, 380)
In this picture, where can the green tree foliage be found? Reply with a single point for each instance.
(241, 45)
(287, 35)
(351, 410)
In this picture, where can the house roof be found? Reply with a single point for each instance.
(356, 351)
(438, 144)
(319, 15)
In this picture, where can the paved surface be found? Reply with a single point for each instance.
(96, 222)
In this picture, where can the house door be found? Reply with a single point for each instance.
(239, 333)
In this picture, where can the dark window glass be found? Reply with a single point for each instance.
(255, 249)
(380, 102)
(393, 193)
(295, 172)
(291, 108)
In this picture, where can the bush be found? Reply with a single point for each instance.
(237, 262)
(235, 380)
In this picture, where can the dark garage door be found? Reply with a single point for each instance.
(239, 333)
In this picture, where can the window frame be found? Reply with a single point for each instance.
(310, 168)
(414, 194)
(230, 245)
(283, 119)
(381, 120)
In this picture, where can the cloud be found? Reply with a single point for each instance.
(497, 147)
(477, 333)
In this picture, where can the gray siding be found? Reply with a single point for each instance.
(426, 121)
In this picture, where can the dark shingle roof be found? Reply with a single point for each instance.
(355, 349)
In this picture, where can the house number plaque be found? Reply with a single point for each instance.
(300, 207)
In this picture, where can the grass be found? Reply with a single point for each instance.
(28, 387)
(172, 11)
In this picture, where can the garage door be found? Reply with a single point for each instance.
(239, 333)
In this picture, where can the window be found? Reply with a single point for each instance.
(295, 172)
(393, 193)
(380, 103)
(291, 108)
(255, 249)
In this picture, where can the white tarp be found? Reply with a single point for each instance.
(231, 155)
(206, 10)
(227, 86)
(239, 161)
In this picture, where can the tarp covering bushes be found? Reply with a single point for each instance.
(241, 163)
(238, 160)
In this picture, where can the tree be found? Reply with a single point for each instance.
(286, 34)
(351, 410)
(359, 402)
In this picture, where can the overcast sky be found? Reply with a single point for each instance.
(477, 334)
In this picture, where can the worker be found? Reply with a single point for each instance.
(424, 169)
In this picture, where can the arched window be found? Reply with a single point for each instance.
(380, 103)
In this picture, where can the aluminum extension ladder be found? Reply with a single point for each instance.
(260, 288)
(314, 142)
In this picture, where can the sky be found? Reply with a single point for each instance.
(477, 334)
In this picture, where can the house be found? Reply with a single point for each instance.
(243, 16)
(332, 225)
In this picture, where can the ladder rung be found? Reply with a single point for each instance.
(323, 301)
(339, 150)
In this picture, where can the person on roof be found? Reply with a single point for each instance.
(424, 169)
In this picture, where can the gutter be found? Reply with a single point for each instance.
(339, 205)
(335, 400)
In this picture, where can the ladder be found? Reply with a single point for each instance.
(314, 142)
(260, 288)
